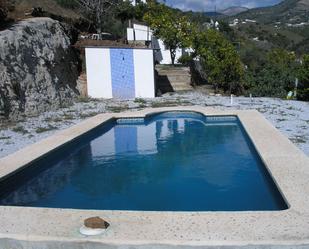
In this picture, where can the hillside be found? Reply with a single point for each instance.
(285, 25)
(22, 8)
(232, 11)
(214, 14)
(288, 11)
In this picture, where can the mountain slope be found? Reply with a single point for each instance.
(214, 14)
(288, 11)
(232, 11)
(285, 25)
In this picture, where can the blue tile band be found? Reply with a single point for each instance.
(122, 72)
(130, 121)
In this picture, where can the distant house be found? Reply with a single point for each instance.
(134, 2)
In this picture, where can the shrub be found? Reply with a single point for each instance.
(303, 92)
(276, 77)
(185, 59)
(3, 10)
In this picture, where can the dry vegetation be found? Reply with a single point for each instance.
(22, 7)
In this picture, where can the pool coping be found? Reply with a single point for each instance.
(288, 166)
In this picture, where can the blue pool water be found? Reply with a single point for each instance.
(168, 162)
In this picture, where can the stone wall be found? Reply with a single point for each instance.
(38, 68)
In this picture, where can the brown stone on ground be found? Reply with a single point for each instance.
(96, 222)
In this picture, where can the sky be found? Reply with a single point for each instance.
(209, 5)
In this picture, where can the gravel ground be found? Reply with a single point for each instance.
(290, 117)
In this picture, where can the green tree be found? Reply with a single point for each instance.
(276, 77)
(220, 60)
(303, 93)
(125, 11)
(140, 10)
(169, 25)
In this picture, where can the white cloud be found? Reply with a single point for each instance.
(209, 5)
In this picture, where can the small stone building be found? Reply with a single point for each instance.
(120, 72)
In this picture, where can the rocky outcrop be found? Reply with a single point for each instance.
(38, 67)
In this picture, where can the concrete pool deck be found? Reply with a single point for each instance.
(25, 227)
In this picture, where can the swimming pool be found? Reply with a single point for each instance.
(57, 227)
(173, 161)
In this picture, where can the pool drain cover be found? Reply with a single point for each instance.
(94, 226)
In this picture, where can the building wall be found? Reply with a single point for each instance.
(142, 32)
(123, 73)
(130, 34)
(162, 54)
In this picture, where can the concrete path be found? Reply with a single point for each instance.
(290, 117)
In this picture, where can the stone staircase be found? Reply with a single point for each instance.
(173, 78)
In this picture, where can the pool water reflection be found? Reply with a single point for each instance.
(168, 162)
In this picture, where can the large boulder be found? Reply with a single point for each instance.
(38, 67)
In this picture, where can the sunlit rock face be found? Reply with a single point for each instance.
(38, 67)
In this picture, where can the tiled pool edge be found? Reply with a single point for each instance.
(167, 229)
